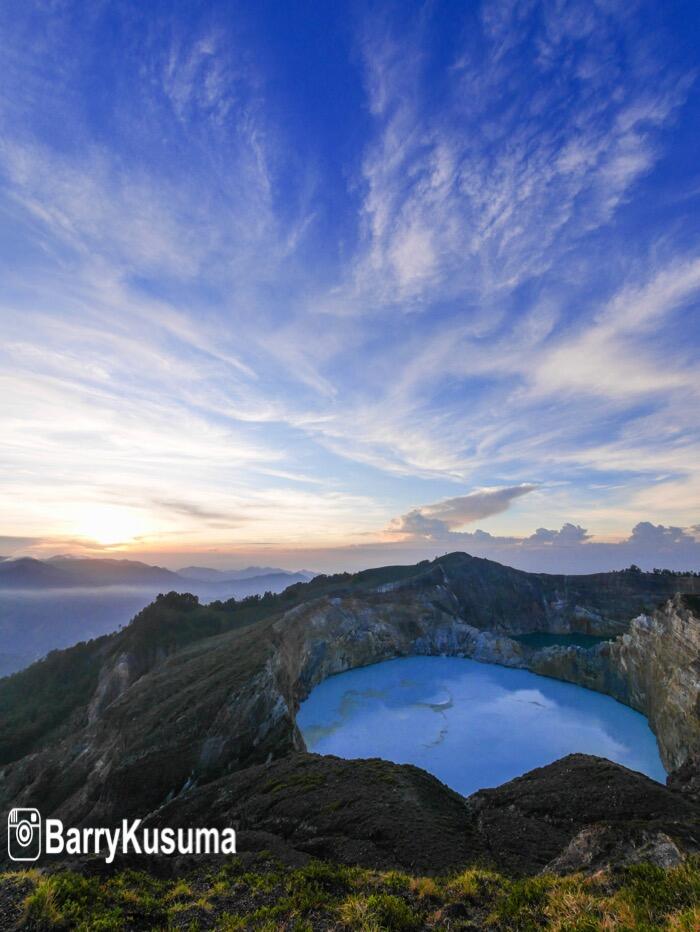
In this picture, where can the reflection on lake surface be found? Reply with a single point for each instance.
(472, 725)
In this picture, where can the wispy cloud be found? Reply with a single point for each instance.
(460, 202)
(203, 514)
(611, 355)
(251, 320)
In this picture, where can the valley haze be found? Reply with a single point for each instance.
(51, 604)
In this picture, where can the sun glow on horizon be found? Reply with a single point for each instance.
(110, 525)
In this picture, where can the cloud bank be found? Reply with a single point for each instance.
(439, 520)
(569, 549)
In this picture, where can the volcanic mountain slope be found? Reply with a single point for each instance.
(189, 695)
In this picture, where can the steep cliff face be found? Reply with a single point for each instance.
(194, 713)
(654, 667)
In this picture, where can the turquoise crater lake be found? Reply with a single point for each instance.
(470, 724)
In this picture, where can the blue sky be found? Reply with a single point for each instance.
(350, 282)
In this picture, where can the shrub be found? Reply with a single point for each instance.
(473, 884)
(521, 907)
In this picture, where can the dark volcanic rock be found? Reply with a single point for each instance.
(579, 813)
(368, 812)
(529, 821)
(686, 779)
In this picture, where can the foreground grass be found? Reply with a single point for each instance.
(325, 896)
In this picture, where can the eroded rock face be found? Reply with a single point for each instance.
(654, 667)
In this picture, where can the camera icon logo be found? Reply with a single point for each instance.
(24, 834)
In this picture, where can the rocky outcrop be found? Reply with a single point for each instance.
(600, 847)
(686, 779)
(370, 812)
(580, 810)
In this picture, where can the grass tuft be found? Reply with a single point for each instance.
(41, 908)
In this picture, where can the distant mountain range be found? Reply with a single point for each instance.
(207, 574)
(47, 604)
(77, 572)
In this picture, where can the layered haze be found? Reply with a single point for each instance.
(46, 605)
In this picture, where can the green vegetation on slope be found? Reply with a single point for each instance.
(35, 701)
(267, 896)
(44, 697)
